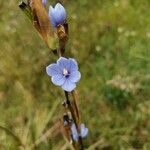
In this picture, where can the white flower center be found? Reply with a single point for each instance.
(65, 72)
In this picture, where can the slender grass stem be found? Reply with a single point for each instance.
(9, 132)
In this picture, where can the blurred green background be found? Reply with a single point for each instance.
(111, 41)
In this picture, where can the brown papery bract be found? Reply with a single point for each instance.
(41, 20)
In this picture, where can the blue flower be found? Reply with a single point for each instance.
(64, 73)
(57, 14)
(84, 132)
(44, 2)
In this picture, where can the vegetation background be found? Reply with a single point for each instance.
(111, 41)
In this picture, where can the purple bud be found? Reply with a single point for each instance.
(57, 14)
(44, 2)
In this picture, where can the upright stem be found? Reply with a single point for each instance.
(70, 107)
(74, 118)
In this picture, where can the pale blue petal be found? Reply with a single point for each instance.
(74, 132)
(58, 80)
(52, 16)
(75, 137)
(60, 13)
(68, 86)
(57, 14)
(75, 76)
(53, 70)
(44, 2)
(84, 131)
(73, 65)
(63, 63)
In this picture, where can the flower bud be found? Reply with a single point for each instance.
(83, 134)
(57, 14)
(44, 2)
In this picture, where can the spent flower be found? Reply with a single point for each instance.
(57, 14)
(64, 73)
(83, 132)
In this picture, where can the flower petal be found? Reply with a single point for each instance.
(75, 76)
(60, 13)
(84, 130)
(63, 63)
(73, 65)
(44, 2)
(68, 86)
(74, 132)
(58, 80)
(52, 16)
(53, 70)
(57, 14)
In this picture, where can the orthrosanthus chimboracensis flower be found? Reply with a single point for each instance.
(64, 73)
(84, 132)
(44, 2)
(57, 14)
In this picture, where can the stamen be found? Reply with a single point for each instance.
(65, 72)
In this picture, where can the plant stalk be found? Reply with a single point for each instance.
(74, 118)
